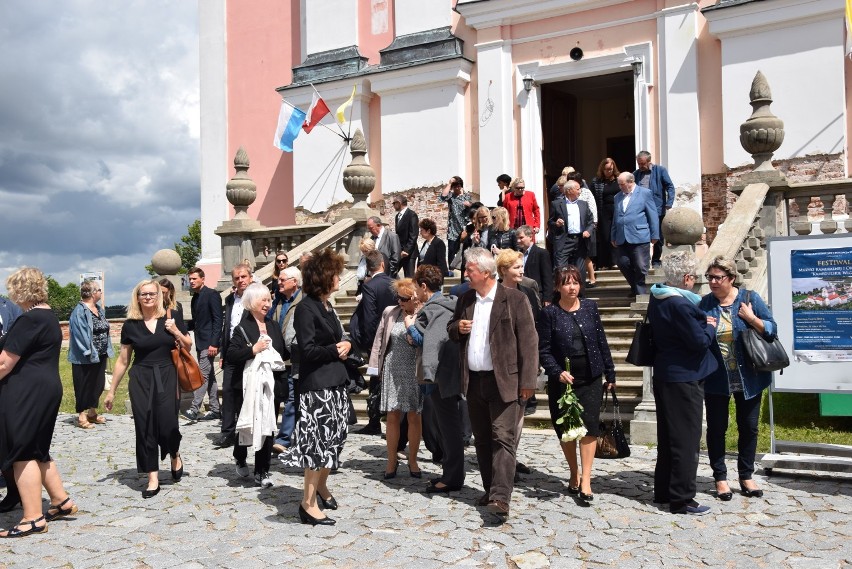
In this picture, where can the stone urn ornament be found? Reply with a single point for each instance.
(241, 190)
(359, 178)
(762, 133)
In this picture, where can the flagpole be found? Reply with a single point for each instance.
(343, 136)
(349, 133)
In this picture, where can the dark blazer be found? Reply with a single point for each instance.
(682, 340)
(9, 311)
(206, 318)
(407, 229)
(509, 332)
(640, 223)
(503, 239)
(376, 295)
(239, 349)
(559, 210)
(554, 344)
(225, 337)
(317, 333)
(535, 302)
(539, 268)
(436, 255)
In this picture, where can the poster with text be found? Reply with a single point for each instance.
(822, 304)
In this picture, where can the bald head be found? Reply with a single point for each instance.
(626, 182)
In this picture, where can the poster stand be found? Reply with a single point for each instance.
(802, 376)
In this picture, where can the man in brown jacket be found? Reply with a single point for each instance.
(499, 364)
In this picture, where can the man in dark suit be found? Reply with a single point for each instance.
(635, 226)
(569, 227)
(9, 311)
(376, 295)
(493, 325)
(241, 278)
(207, 324)
(655, 178)
(433, 251)
(537, 265)
(406, 227)
(386, 242)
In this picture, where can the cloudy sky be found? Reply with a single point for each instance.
(99, 158)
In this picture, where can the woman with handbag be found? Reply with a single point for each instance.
(571, 329)
(731, 311)
(323, 405)
(89, 348)
(149, 336)
(394, 359)
(255, 339)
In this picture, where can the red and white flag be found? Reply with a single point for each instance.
(317, 110)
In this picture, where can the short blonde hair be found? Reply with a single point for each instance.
(254, 293)
(27, 286)
(486, 211)
(405, 287)
(506, 259)
(134, 309)
(367, 244)
(500, 215)
(561, 181)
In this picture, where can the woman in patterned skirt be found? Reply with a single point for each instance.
(320, 388)
(394, 359)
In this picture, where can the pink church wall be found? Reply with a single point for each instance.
(263, 46)
(375, 27)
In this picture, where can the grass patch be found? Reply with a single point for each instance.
(797, 418)
(68, 402)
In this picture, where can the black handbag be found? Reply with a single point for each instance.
(764, 355)
(641, 351)
(612, 442)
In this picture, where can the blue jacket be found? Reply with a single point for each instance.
(661, 186)
(754, 382)
(9, 311)
(682, 340)
(80, 346)
(640, 223)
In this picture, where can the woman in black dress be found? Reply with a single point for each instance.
(150, 336)
(30, 394)
(571, 328)
(89, 349)
(605, 188)
(320, 388)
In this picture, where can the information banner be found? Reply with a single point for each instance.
(822, 304)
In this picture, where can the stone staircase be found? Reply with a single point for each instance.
(619, 323)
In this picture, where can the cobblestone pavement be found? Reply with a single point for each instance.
(212, 518)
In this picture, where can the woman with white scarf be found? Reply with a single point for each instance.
(255, 349)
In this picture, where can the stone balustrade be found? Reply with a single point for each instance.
(818, 208)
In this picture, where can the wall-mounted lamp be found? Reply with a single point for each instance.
(637, 66)
(528, 82)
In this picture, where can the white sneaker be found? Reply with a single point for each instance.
(263, 479)
(242, 469)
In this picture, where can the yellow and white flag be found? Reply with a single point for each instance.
(341, 110)
(848, 27)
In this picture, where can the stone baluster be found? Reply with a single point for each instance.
(828, 225)
(800, 223)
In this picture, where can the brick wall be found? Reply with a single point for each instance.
(717, 199)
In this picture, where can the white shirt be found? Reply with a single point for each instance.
(479, 347)
(572, 225)
(236, 312)
(626, 200)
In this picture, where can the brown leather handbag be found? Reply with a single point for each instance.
(188, 372)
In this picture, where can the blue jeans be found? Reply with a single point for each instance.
(288, 417)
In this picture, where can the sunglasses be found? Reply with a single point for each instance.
(403, 298)
(280, 260)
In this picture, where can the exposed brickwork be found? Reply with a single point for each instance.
(717, 199)
(115, 325)
(422, 200)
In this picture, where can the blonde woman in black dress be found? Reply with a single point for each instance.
(149, 336)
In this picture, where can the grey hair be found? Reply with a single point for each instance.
(376, 219)
(524, 230)
(254, 293)
(678, 264)
(644, 154)
(627, 177)
(482, 259)
(293, 273)
(570, 183)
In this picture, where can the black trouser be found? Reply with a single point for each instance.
(448, 420)
(431, 429)
(747, 413)
(658, 246)
(679, 411)
(229, 410)
(262, 457)
(452, 249)
(374, 400)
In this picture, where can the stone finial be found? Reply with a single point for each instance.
(762, 133)
(682, 226)
(359, 178)
(166, 262)
(241, 190)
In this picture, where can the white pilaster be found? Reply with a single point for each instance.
(680, 142)
(495, 120)
(532, 167)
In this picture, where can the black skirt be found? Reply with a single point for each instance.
(590, 394)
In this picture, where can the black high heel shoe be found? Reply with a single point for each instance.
(309, 519)
(330, 504)
(756, 493)
(573, 490)
(150, 493)
(585, 497)
(178, 474)
(389, 475)
(415, 473)
(724, 496)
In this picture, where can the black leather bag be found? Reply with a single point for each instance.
(612, 442)
(641, 351)
(764, 355)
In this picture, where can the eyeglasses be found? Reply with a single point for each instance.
(715, 278)
(280, 260)
(403, 298)
(147, 295)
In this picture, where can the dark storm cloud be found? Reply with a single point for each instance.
(98, 134)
